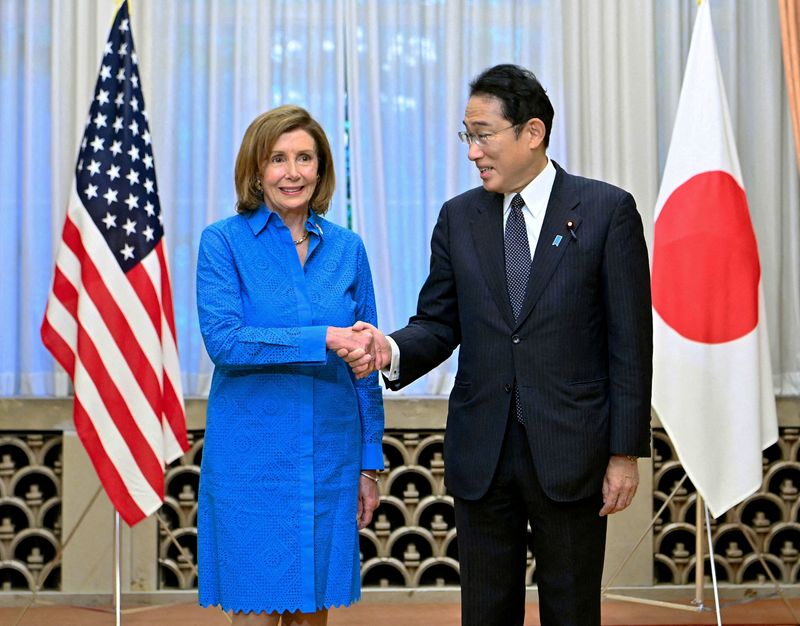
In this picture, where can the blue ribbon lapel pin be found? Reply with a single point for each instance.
(557, 240)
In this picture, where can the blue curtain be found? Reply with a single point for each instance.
(397, 73)
(25, 195)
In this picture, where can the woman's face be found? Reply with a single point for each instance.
(289, 175)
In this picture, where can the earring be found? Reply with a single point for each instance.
(257, 184)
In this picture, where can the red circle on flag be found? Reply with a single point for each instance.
(705, 261)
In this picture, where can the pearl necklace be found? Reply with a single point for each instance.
(297, 242)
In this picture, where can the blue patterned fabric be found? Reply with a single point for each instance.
(288, 426)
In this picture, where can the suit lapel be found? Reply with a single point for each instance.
(487, 235)
(550, 249)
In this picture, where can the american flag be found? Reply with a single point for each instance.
(109, 320)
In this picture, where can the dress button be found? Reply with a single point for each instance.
(515, 339)
(507, 388)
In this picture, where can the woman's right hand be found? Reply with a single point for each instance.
(350, 344)
(381, 357)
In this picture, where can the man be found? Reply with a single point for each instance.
(542, 278)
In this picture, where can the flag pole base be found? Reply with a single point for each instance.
(693, 608)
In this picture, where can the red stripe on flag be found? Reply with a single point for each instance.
(66, 293)
(60, 349)
(105, 468)
(116, 321)
(143, 286)
(166, 291)
(173, 412)
(173, 407)
(142, 451)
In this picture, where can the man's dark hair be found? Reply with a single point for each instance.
(520, 93)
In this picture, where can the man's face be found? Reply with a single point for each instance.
(506, 162)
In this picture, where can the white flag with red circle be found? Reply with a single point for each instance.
(712, 379)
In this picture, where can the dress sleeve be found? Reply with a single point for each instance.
(229, 341)
(368, 390)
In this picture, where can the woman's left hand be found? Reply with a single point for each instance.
(368, 500)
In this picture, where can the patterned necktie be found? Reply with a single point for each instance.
(518, 268)
(518, 255)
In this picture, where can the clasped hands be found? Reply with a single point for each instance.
(362, 346)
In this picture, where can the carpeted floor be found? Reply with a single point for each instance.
(764, 612)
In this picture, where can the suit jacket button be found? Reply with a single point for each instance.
(515, 339)
(507, 388)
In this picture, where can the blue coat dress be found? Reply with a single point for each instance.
(288, 426)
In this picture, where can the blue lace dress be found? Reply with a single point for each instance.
(288, 426)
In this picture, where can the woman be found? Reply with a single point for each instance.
(293, 440)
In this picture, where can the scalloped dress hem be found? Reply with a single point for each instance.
(333, 605)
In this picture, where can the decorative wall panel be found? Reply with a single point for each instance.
(771, 518)
(177, 566)
(30, 511)
(412, 542)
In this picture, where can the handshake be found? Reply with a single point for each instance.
(362, 346)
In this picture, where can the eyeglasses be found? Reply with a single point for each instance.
(480, 139)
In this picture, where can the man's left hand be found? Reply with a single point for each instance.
(619, 484)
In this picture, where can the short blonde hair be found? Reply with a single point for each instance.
(257, 143)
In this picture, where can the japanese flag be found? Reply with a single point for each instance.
(712, 381)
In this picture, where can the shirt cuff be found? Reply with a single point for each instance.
(392, 371)
(312, 344)
(372, 456)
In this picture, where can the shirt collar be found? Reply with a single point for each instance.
(263, 215)
(258, 219)
(314, 224)
(536, 193)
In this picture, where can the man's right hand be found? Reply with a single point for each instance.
(362, 362)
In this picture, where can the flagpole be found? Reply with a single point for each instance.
(699, 551)
(713, 566)
(117, 600)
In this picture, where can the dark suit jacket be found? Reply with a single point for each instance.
(581, 350)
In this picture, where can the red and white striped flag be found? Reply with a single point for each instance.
(712, 380)
(109, 320)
